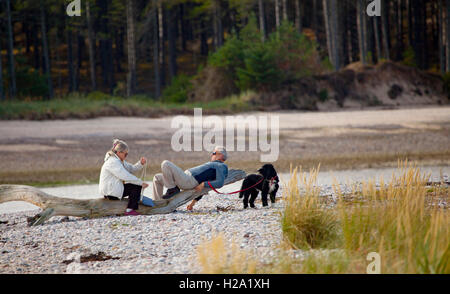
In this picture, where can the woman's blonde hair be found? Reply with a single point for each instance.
(119, 146)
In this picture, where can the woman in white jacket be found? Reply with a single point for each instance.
(117, 180)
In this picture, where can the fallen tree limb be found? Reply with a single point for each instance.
(93, 208)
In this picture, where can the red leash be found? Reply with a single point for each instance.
(239, 190)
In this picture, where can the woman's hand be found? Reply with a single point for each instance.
(143, 160)
(144, 185)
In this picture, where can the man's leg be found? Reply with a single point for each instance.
(174, 176)
(158, 186)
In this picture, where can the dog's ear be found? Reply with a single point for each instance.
(271, 170)
(263, 171)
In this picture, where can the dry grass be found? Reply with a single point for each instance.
(216, 256)
(399, 220)
(396, 221)
(306, 221)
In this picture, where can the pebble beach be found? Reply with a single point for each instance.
(162, 244)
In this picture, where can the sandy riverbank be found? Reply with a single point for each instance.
(72, 151)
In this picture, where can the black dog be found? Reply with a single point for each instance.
(266, 182)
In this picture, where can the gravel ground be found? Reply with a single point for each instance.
(142, 244)
(149, 244)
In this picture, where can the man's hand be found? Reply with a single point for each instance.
(144, 185)
(143, 160)
(199, 188)
(191, 205)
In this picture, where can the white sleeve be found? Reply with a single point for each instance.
(119, 171)
(133, 168)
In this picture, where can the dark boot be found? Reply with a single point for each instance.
(171, 192)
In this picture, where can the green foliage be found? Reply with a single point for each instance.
(98, 96)
(29, 82)
(323, 95)
(253, 64)
(446, 79)
(231, 56)
(178, 90)
(260, 71)
(409, 57)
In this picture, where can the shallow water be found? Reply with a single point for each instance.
(324, 179)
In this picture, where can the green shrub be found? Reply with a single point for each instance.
(231, 56)
(323, 95)
(283, 58)
(178, 90)
(97, 95)
(30, 83)
(409, 57)
(259, 71)
(446, 79)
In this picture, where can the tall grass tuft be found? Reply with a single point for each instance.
(306, 221)
(216, 256)
(395, 221)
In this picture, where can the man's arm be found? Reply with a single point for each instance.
(221, 174)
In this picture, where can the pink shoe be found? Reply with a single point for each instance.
(133, 212)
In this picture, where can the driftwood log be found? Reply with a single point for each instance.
(92, 208)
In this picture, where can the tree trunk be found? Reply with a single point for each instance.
(106, 51)
(46, 52)
(447, 35)
(2, 92)
(377, 37)
(314, 16)
(398, 23)
(183, 27)
(410, 21)
(11, 67)
(326, 17)
(131, 76)
(91, 47)
(419, 29)
(261, 20)
(156, 65)
(162, 57)
(385, 28)
(441, 36)
(95, 208)
(72, 81)
(219, 24)
(298, 16)
(79, 62)
(203, 38)
(277, 13)
(172, 43)
(285, 14)
(335, 34)
(36, 56)
(361, 22)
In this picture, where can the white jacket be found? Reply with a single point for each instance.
(115, 173)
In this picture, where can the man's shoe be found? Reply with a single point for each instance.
(171, 192)
(133, 212)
